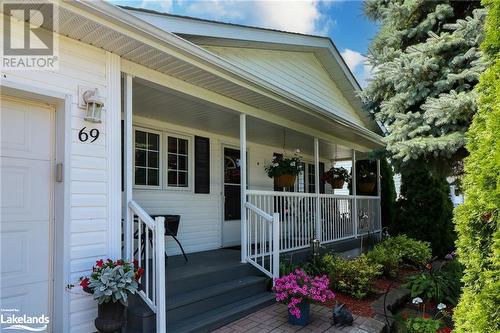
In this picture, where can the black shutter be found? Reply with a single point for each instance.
(321, 182)
(201, 165)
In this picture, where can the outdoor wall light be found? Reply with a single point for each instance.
(94, 104)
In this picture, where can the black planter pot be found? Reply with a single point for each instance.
(110, 317)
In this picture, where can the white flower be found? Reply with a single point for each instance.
(417, 301)
(275, 164)
(297, 151)
(441, 306)
(292, 163)
(274, 157)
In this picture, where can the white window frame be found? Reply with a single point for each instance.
(190, 161)
(160, 158)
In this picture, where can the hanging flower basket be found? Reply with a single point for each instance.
(336, 177)
(284, 180)
(366, 187)
(284, 169)
(337, 183)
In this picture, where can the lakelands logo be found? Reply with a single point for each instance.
(11, 320)
(28, 36)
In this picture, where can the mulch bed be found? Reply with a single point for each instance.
(358, 307)
(363, 307)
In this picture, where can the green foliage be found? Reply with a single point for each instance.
(386, 258)
(388, 193)
(436, 286)
(354, 277)
(398, 251)
(114, 284)
(425, 60)
(411, 252)
(477, 221)
(424, 210)
(422, 325)
(284, 165)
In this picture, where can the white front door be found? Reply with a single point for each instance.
(26, 206)
(231, 224)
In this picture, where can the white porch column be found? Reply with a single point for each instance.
(316, 188)
(243, 180)
(127, 152)
(355, 201)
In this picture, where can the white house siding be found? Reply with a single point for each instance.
(80, 64)
(297, 72)
(201, 214)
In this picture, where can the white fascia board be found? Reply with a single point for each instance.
(115, 17)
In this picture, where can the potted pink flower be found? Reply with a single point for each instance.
(297, 290)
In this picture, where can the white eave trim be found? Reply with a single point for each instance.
(111, 15)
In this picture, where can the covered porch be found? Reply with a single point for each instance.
(182, 156)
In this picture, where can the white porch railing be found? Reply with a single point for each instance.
(148, 248)
(337, 221)
(263, 232)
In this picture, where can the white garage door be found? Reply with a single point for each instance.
(26, 164)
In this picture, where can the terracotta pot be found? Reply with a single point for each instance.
(337, 183)
(284, 181)
(366, 187)
(110, 317)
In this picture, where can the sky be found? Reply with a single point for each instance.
(341, 20)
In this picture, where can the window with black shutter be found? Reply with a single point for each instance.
(201, 165)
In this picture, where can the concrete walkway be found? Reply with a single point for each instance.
(274, 319)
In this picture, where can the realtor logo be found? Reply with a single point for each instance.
(10, 319)
(29, 41)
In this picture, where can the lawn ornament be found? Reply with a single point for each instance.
(341, 315)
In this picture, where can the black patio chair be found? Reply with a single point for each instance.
(171, 229)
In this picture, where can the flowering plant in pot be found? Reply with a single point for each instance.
(110, 283)
(336, 177)
(297, 290)
(367, 178)
(284, 169)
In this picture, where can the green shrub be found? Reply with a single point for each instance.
(424, 210)
(412, 252)
(422, 325)
(439, 286)
(477, 221)
(354, 277)
(395, 252)
(388, 193)
(386, 258)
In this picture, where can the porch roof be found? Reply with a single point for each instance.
(116, 30)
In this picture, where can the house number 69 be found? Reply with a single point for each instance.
(84, 136)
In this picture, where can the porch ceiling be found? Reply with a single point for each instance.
(160, 103)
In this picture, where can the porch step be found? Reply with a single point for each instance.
(210, 290)
(192, 303)
(223, 315)
(205, 277)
